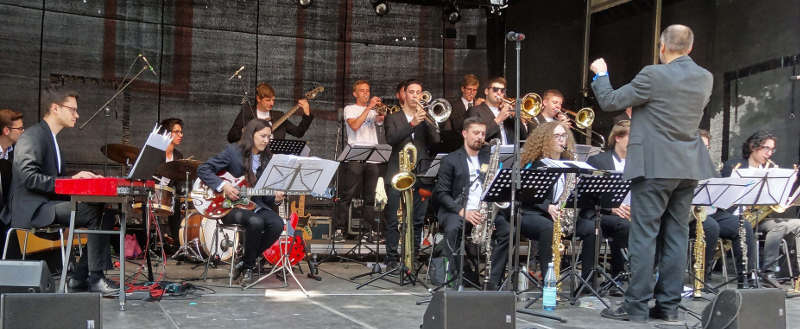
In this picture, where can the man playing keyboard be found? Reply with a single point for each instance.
(33, 203)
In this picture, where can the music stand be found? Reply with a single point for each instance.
(429, 176)
(289, 146)
(361, 153)
(293, 175)
(599, 191)
(772, 187)
(719, 193)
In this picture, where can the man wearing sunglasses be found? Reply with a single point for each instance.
(498, 116)
(37, 164)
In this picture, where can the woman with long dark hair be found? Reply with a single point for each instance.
(248, 157)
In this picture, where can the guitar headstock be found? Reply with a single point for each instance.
(313, 92)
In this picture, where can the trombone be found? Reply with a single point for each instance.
(583, 119)
(436, 110)
(530, 107)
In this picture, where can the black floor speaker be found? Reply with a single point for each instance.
(746, 309)
(470, 309)
(25, 276)
(56, 311)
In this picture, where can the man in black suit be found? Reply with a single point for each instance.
(497, 115)
(265, 100)
(403, 127)
(614, 222)
(37, 164)
(552, 99)
(11, 127)
(451, 129)
(665, 160)
(460, 169)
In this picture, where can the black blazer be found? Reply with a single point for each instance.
(493, 129)
(453, 177)
(398, 134)
(245, 115)
(176, 154)
(34, 172)
(230, 160)
(450, 133)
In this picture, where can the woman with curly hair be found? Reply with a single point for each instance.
(551, 140)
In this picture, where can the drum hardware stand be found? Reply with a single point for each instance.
(186, 250)
(406, 274)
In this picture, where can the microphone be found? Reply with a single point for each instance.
(236, 73)
(514, 36)
(794, 77)
(148, 65)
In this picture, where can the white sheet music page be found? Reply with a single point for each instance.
(297, 175)
(773, 186)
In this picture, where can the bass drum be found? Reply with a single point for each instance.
(197, 227)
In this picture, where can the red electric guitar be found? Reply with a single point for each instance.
(213, 204)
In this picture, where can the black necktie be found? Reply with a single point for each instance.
(469, 105)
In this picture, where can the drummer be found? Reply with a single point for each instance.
(175, 127)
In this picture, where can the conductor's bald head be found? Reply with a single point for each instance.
(677, 39)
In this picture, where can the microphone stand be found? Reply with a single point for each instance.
(117, 93)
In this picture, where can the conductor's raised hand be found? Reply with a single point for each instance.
(598, 66)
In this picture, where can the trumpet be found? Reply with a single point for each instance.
(436, 110)
(384, 109)
(530, 107)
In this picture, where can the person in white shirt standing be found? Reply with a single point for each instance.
(361, 124)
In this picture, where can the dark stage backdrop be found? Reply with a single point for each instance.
(196, 45)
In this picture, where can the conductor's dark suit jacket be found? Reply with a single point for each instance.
(668, 102)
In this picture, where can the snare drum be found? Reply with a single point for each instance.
(162, 201)
(198, 227)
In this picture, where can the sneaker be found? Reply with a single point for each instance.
(338, 236)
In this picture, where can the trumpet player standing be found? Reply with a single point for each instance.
(496, 114)
(402, 127)
(361, 121)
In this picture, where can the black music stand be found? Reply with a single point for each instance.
(289, 146)
(293, 175)
(714, 192)
(598, 191)
(536, 185)
(771, 187)
(375, 153)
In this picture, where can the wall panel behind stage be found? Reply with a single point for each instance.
(196, 45)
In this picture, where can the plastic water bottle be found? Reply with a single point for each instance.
(549, 290)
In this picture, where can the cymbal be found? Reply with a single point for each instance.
(176, 170)
(122, 153)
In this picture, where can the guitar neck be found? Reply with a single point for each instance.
(286, 116)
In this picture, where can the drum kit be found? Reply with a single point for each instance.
(196, 233)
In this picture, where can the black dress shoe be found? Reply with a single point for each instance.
(237, 270)
(657, 313)
(104, 286)
(620, 314)
(247, 276)
(77, 285)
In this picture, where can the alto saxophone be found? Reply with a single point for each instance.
(699, 214)
(562, 223)
(482, 233)
(404, 181)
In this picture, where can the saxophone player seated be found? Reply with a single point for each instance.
(551, 140)
(460, 177)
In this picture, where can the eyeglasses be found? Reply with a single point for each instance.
(560, 136)
(470, 89)
(499, 90)
(74, 110)
(768, 149)
(177, 132)
(17, 128)
(414, 92)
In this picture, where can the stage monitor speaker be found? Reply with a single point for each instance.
(56, 311)
(746, 309)
(25, 276)
(471, 309)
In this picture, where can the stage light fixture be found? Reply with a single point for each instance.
(452, 13)
(304, 3)
(381, 7)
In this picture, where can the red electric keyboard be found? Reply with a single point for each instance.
(106, 186)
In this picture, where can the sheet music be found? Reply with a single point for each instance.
(567, 164)
(297, 175)
(363, 152)
(776, 189)
(721, 192)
